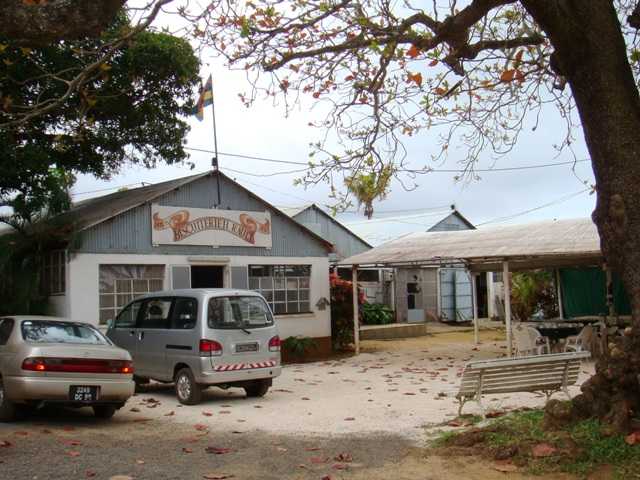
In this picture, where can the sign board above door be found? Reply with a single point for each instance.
(204, 226)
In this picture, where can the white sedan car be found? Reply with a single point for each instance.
(53, 360)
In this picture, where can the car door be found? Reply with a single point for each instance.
(182, 343)
(123, 332)
(6, 327)
(152, 335)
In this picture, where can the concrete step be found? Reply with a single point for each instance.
(394, 330)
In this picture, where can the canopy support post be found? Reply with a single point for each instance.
(506, 281)
(559, 290)
(474, 291)
(356, 313)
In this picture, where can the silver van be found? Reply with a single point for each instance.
(197, 338)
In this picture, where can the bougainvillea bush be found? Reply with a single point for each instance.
(342, 311)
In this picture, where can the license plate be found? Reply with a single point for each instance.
(247, 347)
(82, 393)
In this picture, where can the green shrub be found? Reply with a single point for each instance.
(298, 346)
(376, 314)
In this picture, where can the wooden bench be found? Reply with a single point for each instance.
(540, 373)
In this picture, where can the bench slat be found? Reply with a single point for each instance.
(536, 359)
(521, 373)
(487, 387)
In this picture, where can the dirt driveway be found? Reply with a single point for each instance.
(360, 417)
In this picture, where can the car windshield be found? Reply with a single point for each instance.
(238, 312)
(47, 331)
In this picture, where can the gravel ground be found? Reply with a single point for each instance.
(372, 409)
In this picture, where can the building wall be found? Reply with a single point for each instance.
(345, 242)
(426, 299)
(449, 223)
(130, 232)
(83, 288)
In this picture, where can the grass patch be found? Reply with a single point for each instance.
(579, 449)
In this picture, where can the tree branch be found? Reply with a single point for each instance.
(43, 22)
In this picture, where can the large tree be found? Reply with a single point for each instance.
(471, 71)
(130, 109)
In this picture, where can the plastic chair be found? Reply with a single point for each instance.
(530, 341)
(580, 342)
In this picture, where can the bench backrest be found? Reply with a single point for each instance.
(523, 374)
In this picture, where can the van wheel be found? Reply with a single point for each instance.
(187, 390)
(104, 411)
(258, 388)
(8, 409)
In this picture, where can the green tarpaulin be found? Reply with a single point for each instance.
(584, 293)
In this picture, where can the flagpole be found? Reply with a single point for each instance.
(214, 160)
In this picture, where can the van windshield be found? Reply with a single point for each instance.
(238, 312)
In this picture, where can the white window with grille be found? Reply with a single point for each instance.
(53, 280)
(286, 288)
(119, 284)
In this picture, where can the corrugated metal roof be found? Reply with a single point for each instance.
(293, 212)
(557, 238)
(94, 211)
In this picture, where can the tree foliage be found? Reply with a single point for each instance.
(128, 111)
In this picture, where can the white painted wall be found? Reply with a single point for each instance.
(83, 285)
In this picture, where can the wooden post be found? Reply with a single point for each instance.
(356, 314)
(559, 290)
(474, 292)
(506, 282)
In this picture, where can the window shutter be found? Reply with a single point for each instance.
(180, 276)
(239, 278)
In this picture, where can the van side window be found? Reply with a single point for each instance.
(127, 317)
(185, 313)
(155, 313)
(6, 326)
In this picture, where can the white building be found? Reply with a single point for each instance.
(202, 231)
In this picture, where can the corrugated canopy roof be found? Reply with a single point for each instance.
(533, 245)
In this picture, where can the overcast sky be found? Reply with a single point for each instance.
(263, 131)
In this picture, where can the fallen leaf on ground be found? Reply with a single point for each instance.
(494, 414)
(200, 427)
(224, 412)
(218, 450)
(216, 476)
(543, 450)
(340, 466)
(207, 414)
(24, 434)
(170, 414)
(134, 410)
(349, 419)
(343, 457)
(319, 459)
(305, 398)
(186, 450)
(90, 473)
(312, 449)
(505, 466)
(73, 453)
(4, 444)
(121, 477)
(632, 438)
(140, 462)
(282, 449)
(72, 443)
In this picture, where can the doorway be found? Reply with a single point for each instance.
(206, 276)
(482, 295)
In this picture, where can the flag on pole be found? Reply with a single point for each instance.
(205, 99)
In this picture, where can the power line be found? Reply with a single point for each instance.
(554, 202)
(427, 170)
(250, 157)
(274, 174)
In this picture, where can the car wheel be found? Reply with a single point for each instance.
(187, 390)
(8, 410)
(258, 388)
(104, 411)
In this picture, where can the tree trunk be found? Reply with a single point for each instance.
(590, 53)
